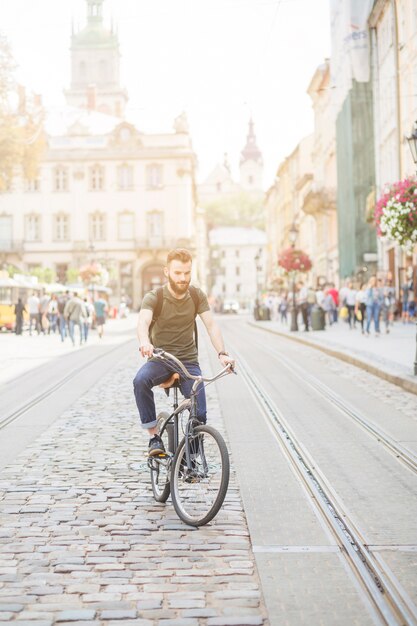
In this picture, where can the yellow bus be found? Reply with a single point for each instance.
(10, 291)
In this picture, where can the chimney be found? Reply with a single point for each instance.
(91, 98)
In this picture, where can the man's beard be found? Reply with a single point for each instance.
(179, 289)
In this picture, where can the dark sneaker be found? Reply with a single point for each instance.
(156, 446)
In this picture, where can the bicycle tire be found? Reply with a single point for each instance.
(159, 478)
(188, 492)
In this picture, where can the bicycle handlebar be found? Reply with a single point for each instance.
(159, 353)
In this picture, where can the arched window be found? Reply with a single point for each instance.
(154, 176)
(61, 227)
(126, 226)
(33, 227)
(96, 178)
(125, 177)
(97, 230)
(60, 178)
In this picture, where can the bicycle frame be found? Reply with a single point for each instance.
(186, 404)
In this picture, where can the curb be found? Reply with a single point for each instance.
(404, 383)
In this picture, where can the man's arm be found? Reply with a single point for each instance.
(216, 337)
(144, 321)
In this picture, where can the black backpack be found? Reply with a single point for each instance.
(160, 301)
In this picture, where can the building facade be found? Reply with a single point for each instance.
(393, 26)
(105, 191)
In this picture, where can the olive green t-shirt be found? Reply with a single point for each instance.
(174, 329)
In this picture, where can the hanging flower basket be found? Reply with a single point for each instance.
(396, 214)
(292, 260)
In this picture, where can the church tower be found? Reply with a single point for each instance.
(251, 163)
(95, 66)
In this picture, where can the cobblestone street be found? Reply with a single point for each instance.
(83, 541)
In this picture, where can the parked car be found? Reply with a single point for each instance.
(231, 306)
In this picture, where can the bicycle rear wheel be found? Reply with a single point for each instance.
(198, 494)
(161, 466)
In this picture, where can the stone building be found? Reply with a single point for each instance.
(106, 191)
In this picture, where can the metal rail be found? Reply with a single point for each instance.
(399, 451)
(48, 392)
(389, 599)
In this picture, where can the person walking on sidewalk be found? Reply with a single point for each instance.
(100, 311)
(388, 300)
(335, 295)
(62, 322)
(88, 319)
(52, 314)
(360, 306)
(350, 302)
(178, 304)
(19, 309)
(303, 304)
(43, 312)
(74, 313)
(373, 305)
(33, 304)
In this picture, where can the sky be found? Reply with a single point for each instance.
(221, 61)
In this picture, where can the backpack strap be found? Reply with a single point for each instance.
(158, 308)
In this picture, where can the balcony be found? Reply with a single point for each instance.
(319, 200)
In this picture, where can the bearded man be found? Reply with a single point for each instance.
(173, 331)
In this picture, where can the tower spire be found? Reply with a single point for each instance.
(251, 151)
(95, 11)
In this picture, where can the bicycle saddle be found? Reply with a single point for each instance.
(172, 381)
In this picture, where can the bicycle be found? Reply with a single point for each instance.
(196, 469)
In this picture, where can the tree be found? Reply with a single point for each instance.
(44, 274)
(239, 209)
(21, 124)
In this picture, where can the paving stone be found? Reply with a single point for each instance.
(76, 615)
(118, 614)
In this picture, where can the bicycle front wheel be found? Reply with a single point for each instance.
(198, 493)
(160, 467)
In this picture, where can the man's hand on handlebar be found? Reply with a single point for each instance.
(146, 349)
(227, 360)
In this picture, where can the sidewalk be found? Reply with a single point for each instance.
(21, 353)
(389, 356)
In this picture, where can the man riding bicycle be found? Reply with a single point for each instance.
(173, 330)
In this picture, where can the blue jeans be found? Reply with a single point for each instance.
(154, 373)
(72, 324)
(62, 325)
(372, 312)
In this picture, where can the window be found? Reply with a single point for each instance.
(61, 272)
(97, 227)
(126, 226)
(237, 253)
(32, 185)
(250, 180)
(218, 187)
(237, 272)
(103, 70)
(60, 178)
(33, 228)
(154, 176)
(155, 224)
(61, 227)
(125, 177)
(96, 178)
(238, 287)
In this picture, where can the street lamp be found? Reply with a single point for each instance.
(412, 142)
(293, 233)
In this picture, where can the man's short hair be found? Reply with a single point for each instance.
(179, 254)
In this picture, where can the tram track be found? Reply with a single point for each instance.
(402, 453)
(390, 601)
(24, 408)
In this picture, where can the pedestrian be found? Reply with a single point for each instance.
(311, 301)
(43, 312)
(350, 302)
(100, 312)
(328, 305)
(173, 331)
(360, 306)
(62, 322)
(303, 304)
(388, 302)
(33, 304)
(405, 316)
(19, 309)
(373, 305)
(283, 308)
(74, 313)
(88, 319)
(335, 295)
(53, 314)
